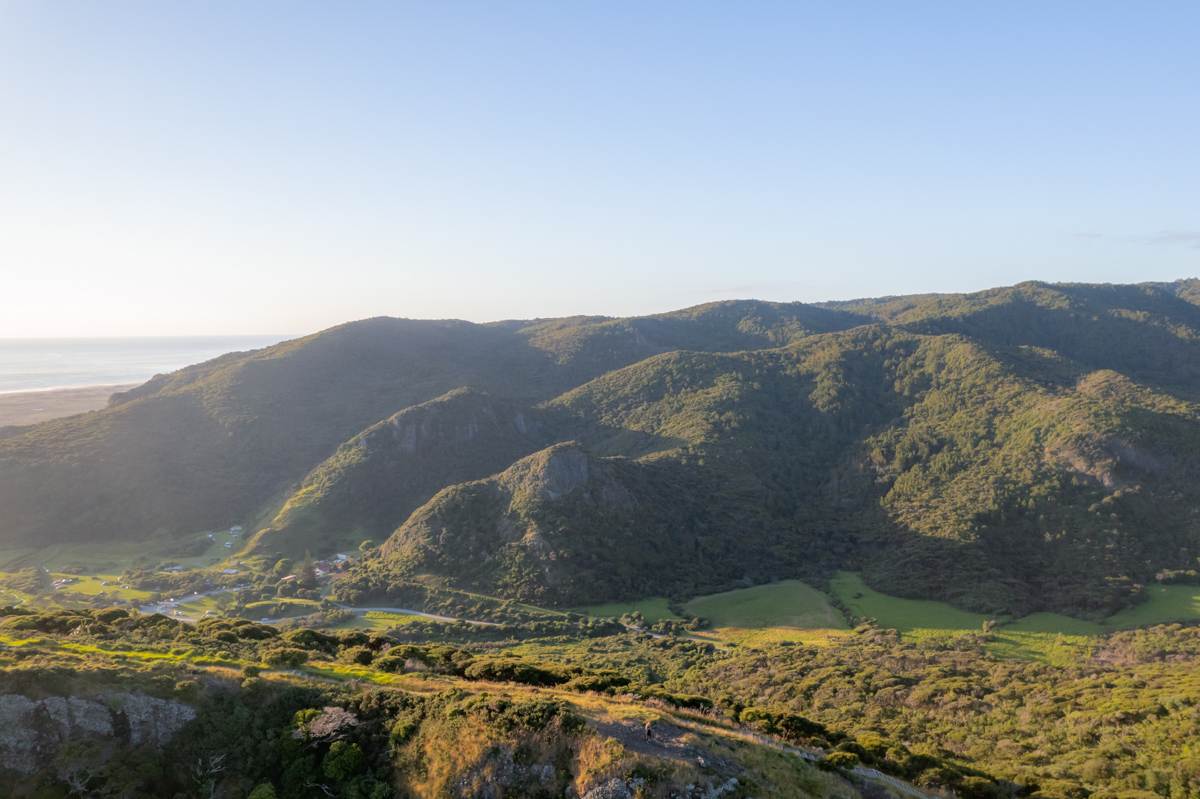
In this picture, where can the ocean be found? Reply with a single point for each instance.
(38, 364)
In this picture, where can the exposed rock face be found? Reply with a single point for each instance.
(499, 775)
(544, 529)
(454, 419)
(33, 731)
(613, 789)
(153, 721)
(1108, 460)
(617, 788)
(550, 474)
(374, 481)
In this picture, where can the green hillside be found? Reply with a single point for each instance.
(374, 480)
(939, 466)
(1023, 449)
(562, 526)
(226, 441)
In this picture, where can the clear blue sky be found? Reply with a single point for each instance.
(237, 167)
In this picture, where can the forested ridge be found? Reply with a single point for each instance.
(1013, 450)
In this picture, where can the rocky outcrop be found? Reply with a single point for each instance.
(616, 788)
(550, 474)
(33, 731)
(500, 774)
(371, 484)
(1110, 461)
(560, 526)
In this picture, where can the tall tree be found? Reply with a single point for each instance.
(307, 576)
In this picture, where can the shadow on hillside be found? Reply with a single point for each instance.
(1135, 337)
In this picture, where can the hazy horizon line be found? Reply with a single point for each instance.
(501, 320)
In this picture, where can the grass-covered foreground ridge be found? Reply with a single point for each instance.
(445, 709)
(786, 685)
(255, 712)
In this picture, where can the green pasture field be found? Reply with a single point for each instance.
(376, 621)
(1049, 637)
(789, 610)
(915, 618)
(789, 603)
(292, 605)
(652, 609)
(93, 584)
(1161, 604)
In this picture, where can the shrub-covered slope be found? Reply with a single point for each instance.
(1020, 448)
(106, 703)
(374, 480)
(213, 444)
(1005, 480)
(561, 525)
(1005, 493)
(1149, 331)
(227, 440)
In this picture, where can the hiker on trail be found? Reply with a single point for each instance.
(649, 729)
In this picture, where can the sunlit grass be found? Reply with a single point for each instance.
(348, 671)
(291, 607)
(176, 655)
(11, 596)
(95, 584)
(377, 621)
(197, 606)
(786, 611)
(1161, 604)
(913, 618)
(1048, 637)
(393, 619)
(764, 636)
(652, 609)
(789, 603)
(1054, 623)
(1057, 649)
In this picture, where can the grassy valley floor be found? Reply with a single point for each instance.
(793, 611)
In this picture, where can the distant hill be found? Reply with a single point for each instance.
(1032, 447)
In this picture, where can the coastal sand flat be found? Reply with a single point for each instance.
(31, 407)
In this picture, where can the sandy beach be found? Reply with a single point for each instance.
(31, 407)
